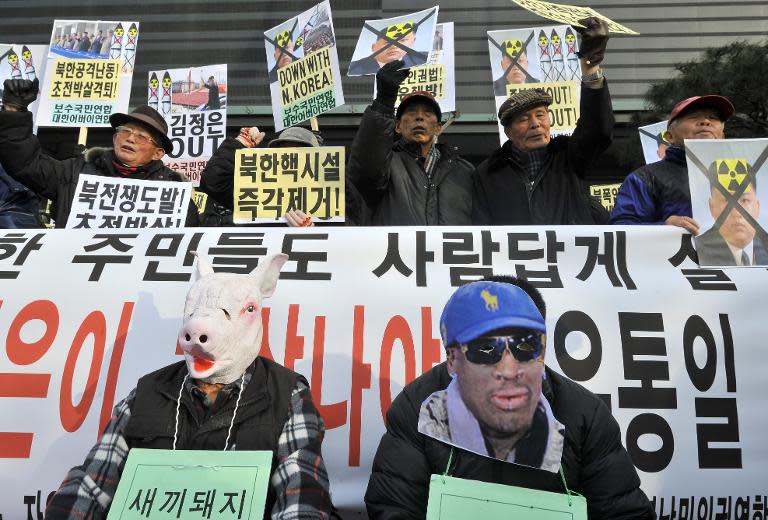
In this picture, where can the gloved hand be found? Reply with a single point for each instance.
(594, 39)
(250, 137)
(388, 80)
(20, 93)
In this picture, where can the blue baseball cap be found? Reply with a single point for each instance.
(481, 307)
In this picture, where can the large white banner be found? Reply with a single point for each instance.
(676, 351)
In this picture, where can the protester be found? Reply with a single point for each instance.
(232, 399)
(535, 179)
(658, 193)
(501, 416)
(19, 207)
(140, 141)
(404, 177)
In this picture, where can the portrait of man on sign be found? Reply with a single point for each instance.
(407, 38)
(514, 66)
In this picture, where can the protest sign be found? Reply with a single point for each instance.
(193, 102)
(114, 203)
(190, 168)
(725, 182)
(456, 498)
(676, 352)
(304, 76)
(159, 483)
(20, 61)
(409, 38)
(88, 72)
(569, 14)
(653, 141)
(539, 57)
(606, 194)
(438, 76)
(200, 199)
(271, 181)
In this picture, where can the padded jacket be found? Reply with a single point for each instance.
(594, 461)
(391, 179)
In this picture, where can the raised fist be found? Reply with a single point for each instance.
(594, 39)
(20, 93)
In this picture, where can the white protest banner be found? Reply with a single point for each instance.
(409, 38)
(676, 351)
(725, 182)
(539, 57)
(20, 61)
(438, 76)
(193, 101)
(304, 76)
(114, 203)
(88, 72)
(653, 141)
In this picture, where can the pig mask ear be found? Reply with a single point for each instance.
(266, 274)
(202, 267)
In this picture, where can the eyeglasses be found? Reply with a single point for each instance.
(141, 137)
(490, 350)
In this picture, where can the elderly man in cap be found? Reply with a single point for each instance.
(536, 179)
(403, 174)
(140, 141)
(493, 412)
(658, 193)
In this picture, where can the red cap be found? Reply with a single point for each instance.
(423, 96)
(719, 103)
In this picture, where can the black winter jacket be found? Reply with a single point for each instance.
(504, 195)
(393, 183)
(594, 461)
(24, 160)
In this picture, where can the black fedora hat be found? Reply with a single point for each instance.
(147, 117)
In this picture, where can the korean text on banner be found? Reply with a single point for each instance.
(564, 110)
(303, 67)
(269, 182)
(158, 483)
(113, 203)
(606, 194)
(569, 14)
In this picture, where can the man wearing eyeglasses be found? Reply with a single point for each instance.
(140, 141)
(493, 412)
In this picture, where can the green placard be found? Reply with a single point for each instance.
(456, 498)
(163, 484)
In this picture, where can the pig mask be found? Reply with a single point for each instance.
(221, 332)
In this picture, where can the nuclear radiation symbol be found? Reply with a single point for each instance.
(556, 40)
(153, 82)
(662, 137)
(166, 81)
(513, 48)
(13, 58)
(119, 30)
(399, 30)
(731, 173)
(27, 54)
(570, 38)
(543, 40)
(299, 42)
(283, 38)
(133, 31)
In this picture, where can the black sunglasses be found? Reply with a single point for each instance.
(490, 350)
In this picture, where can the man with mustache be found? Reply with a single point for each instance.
(405, 177)
(658, 193)
(493, 412)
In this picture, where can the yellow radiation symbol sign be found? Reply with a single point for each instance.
(133, 31)
(299, 42)
(513, 48)
(13, 58)
(26, 55)
(543, 40)
(119, 30)
(555, 40)
(153, 82)
(570, 38)
(662, 137)
(166, 81)
(283, 38)
(399, 30)
(731, 173)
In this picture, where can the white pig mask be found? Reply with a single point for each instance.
(221, 331)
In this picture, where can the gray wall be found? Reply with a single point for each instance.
(190, 32)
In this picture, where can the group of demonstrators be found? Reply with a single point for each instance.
(492, 411)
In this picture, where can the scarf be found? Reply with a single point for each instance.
(128, 171)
